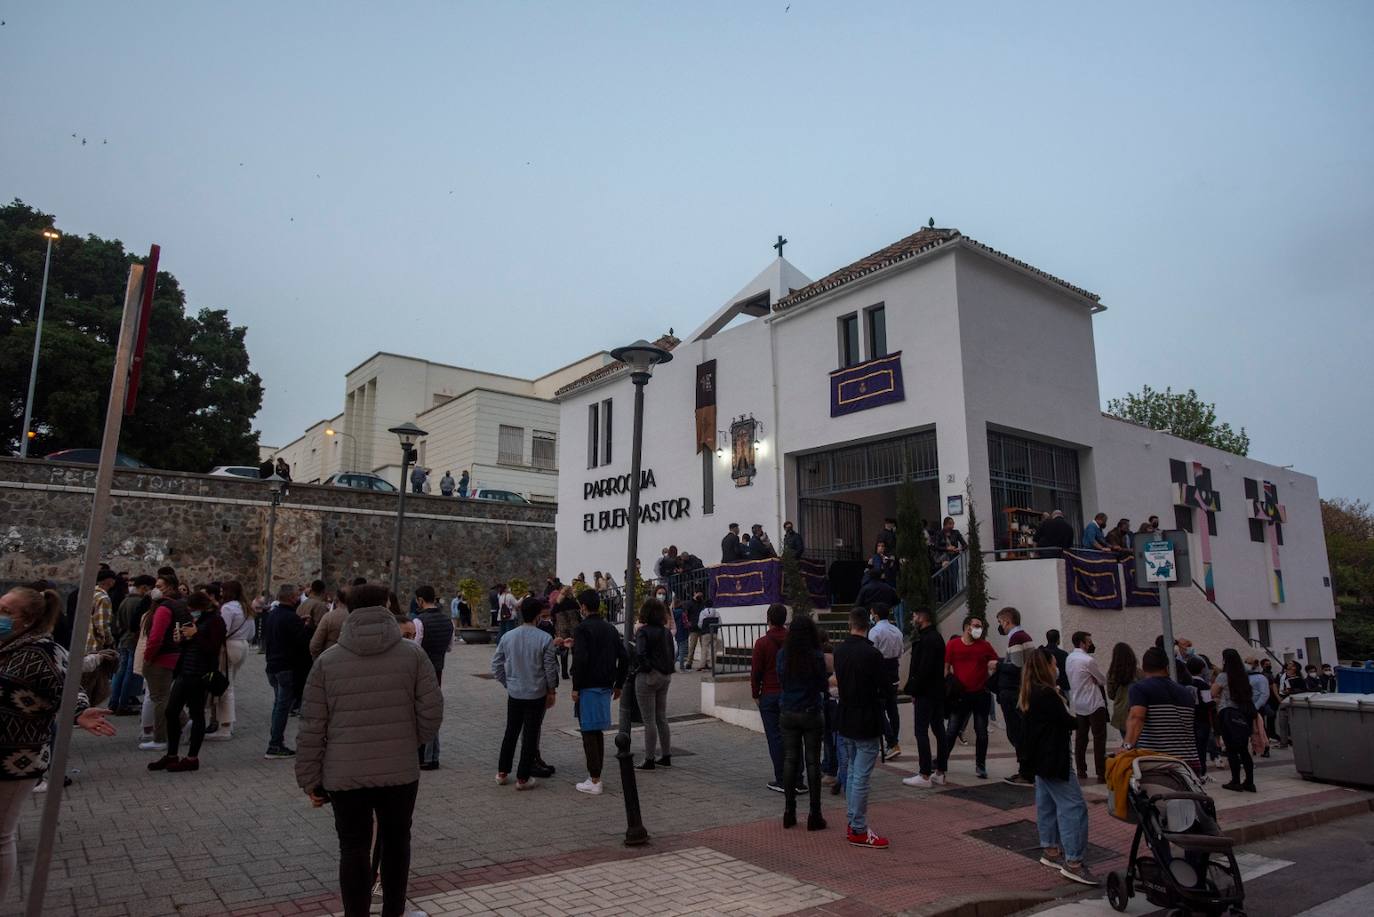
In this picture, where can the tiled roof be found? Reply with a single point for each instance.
(667, 342)
(915, 244)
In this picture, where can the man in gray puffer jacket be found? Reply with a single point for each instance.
(370, 701)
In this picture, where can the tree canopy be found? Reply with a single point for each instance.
(1349, 527)
(1183, 414)
(197, 397)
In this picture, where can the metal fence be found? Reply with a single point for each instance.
(679, 585)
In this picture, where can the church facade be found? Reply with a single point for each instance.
(941, 361)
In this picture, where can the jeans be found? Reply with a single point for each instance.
(929, 713)
(1062, 816)
(187, 692)
(523, 721)
(798, 728)
(682, 649)
(284, 684)
(861, 755)
(892, 728)
(127, 684)
(356, 812)
(651, 690)
(430, 750)
(1202, 735)
(830, 757)
(1096, 724)
(14, 800)
(976, 706)
(770, 709)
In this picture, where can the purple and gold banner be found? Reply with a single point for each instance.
(1135, 595)
(748, 582)
(817, 582)
(867, 385)
(1092, 579)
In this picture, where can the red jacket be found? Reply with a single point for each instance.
(763, 665)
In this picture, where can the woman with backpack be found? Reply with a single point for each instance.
(200, 635)
(1235, 691)
(654, 652)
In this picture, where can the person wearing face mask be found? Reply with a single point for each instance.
(33, 670)
(162, 652)
(1087, 704)
(888, 639)
(1019, 643)
(970, 659)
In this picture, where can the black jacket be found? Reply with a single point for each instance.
(926, 677)
(286, 643)
(792, 541)
(438, 636)
(729, 549)
(1046, 730)
(599, 659)
(863, 688)
(200, 654)
(1054, 533)
(654, 650)
(1061, 658)
(876, 592)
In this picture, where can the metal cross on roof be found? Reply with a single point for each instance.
(779, 244)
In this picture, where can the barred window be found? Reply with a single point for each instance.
(510, 447)
(544, 450)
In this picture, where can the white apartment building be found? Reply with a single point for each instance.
(966, 370)
(503, 430)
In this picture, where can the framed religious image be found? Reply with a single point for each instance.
(954, 506)
(742, 464)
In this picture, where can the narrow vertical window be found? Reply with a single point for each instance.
(606, 432)
(877, 331)
(849, 340)
(510, 445)
(708, 482)
(593, 436)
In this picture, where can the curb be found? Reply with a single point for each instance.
(1264, 828)
(983, 906)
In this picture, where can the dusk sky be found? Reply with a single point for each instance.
(511, 186)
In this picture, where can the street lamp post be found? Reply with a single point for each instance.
(408, 434)
(50, 235)
(330, 431)
(276, 482)
(641, 357)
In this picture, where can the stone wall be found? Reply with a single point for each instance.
(216, 528)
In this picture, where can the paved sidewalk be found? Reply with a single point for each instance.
(238, 837)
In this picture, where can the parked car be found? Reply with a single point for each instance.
(237, 471)
(500, 496)
(92, 457)
(360, 480)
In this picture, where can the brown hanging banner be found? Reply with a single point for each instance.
(706, 406)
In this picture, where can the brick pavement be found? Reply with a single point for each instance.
(238, 837)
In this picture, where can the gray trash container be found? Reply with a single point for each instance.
(1333, 736)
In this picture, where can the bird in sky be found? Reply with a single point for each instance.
(83, 141)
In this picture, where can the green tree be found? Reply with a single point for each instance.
(794, 591)
(197, 398)
(1349, 528)
(913, 557)
(472, 592)
(1183, 414)
(977, 571)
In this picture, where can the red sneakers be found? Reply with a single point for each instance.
(866, 839)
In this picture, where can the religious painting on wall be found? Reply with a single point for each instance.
(742, 453)
(1197, 494)
(867, 385)
(706, 406)
(1267, 516)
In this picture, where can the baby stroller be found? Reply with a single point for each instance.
(1189, 865)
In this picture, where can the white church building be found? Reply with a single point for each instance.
(941, 360)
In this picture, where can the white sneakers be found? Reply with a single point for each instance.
(152, 745)
(219, 735)
(527, 784)
(590, 787)
(916, 780)
(501, 779)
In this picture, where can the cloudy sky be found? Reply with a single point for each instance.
(512, 185)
